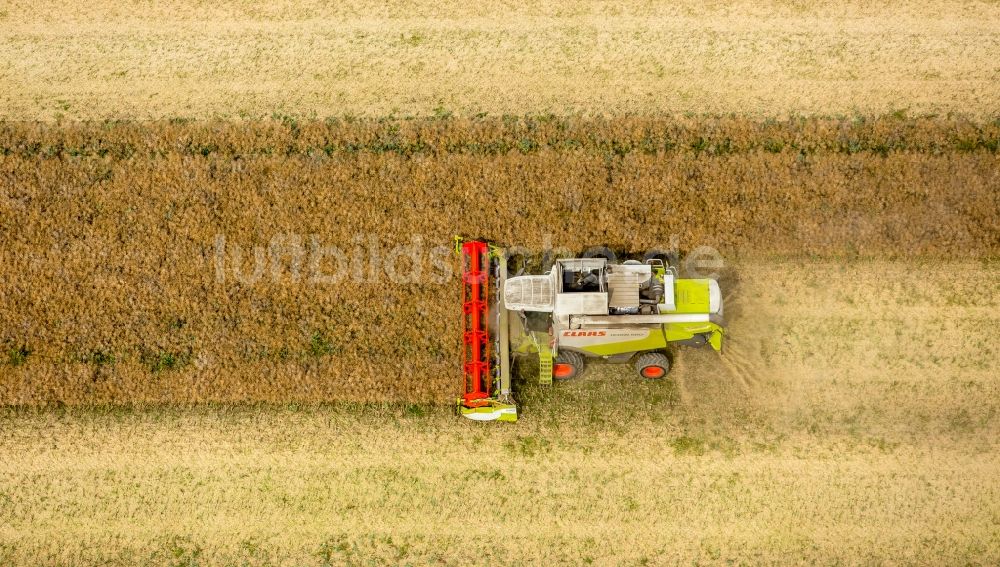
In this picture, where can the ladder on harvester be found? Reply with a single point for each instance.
(476, 402)
(544, 364)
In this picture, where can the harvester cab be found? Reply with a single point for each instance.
(582, 309)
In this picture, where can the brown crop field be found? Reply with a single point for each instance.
(248, 262)
(230, 311)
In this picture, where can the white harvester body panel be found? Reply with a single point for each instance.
(714, 297)
(592, 303)
(623, 289)
(530, 293)
(643, 271)
(669, 303)
(582, 339)
(608, 320)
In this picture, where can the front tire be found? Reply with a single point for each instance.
(652, 365)
(568, 365)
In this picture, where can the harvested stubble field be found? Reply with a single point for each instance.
(243, 59)
(852, 420)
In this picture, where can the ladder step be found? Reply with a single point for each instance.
(544, 366)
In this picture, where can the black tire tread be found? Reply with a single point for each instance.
(572, 358)
(652, 359)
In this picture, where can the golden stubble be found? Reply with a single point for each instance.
(851, 418)
(241, 60)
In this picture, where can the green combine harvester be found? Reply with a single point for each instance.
(582, 309)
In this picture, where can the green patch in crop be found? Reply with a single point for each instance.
(529, 445)
(442, 113)
(882, 445)
(685, 445)
(699, 145)
(484, 474)
(527, 145)
(290, 122)
(974, 144)
(204, 150)
(18, 355)
(961, 421)
(727, 446)
(320, 345)
(99, 357)
(774, 146)
(413, 39)
(415, 410)
(332, 551)
(162, 360)
(183, 551)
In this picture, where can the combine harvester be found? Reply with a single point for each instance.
(582, 308)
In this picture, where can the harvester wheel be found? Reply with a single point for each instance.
(568, 365)
(652, 365)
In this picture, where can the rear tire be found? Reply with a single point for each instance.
(652, 365)
(568, 365)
